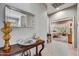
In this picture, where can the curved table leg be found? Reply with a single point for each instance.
(41, 49)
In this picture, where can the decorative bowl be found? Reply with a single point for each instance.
(26, 42)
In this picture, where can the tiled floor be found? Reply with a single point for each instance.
(58, 48)
(72, 51)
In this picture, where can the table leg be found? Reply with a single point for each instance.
(36, 51)
(26, 54)
(41, 49)
(22, 53)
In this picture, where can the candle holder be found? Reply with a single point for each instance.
(6, 37)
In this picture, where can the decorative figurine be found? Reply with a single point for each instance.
(6, 37)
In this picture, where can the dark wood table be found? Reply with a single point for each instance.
(16, 49)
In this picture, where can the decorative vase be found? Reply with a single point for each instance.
(6, 37)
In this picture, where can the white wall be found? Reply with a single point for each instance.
(78, 28)
(69, 12)
(23, 33)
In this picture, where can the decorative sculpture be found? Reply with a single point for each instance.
(37, 37)
(6, 30)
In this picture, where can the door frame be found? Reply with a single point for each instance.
(74, 29)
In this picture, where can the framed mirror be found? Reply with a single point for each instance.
(18, 17)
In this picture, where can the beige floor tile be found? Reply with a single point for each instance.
(58, 48)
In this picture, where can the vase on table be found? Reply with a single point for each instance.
(6, 37)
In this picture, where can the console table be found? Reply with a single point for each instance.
(16, 49)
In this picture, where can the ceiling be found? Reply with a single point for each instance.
(55, 7)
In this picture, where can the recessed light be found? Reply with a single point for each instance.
(57, 8)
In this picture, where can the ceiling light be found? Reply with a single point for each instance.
(56, 5)
(57, 8)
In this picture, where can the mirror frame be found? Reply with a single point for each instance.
(18, 10)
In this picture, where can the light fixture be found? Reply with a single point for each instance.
(57, 8)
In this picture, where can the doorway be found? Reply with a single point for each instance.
(63, 30)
